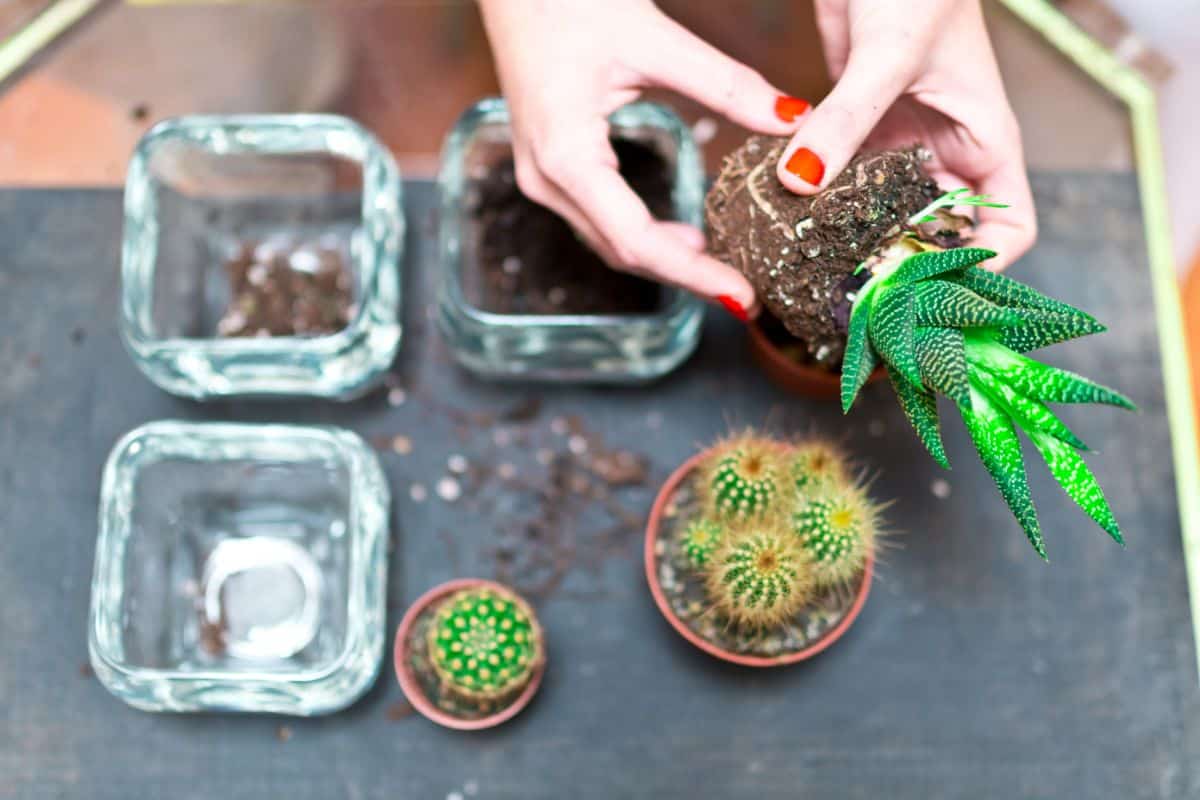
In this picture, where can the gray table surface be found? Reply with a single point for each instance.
(975, 671)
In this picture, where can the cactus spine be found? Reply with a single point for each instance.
(838, 528)
(744, 477)
(484, 644)
(760, 577)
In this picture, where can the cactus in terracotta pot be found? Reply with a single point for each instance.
(484, 644)
(760, 576)
(839, 527)
(700, 539)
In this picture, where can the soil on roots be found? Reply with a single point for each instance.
(800, 253)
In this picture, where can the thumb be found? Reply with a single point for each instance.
(834, 131)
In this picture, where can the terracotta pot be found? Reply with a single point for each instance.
(806, 380)
(660, 599)
(412, 686)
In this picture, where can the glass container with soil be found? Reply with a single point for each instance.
(522, 296)
(262, 256)
(240, 568)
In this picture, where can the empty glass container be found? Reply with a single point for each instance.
(261, 256)
(240, 568)
(613, 348)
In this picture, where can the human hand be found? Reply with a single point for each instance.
(565, 65)
(921, 71)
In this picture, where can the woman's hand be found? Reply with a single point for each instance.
(565, 65)
(919, 71)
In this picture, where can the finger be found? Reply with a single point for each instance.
(1009, 231)
(690, 235)
(642, 245)
(681, 61)
(834, 131)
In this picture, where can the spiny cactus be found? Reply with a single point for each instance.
(743, 476)
(817, 464)
(484, 644)
(942, 325)
(760, 576)
(700, 539)
(838, 526)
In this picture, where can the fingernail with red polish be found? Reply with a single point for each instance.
(733, 307)
(788, 108)
(807, 166)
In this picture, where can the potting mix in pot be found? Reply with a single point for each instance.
(531, 262)
(874, 270)
(475, 651)
(763, 549)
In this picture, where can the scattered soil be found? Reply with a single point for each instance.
(86, 671)
(685, 591)
(533, 263)
(278, 289)
(401, 709)
(800, 253)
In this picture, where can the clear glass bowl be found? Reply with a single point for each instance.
(299, 192)
(610, 348)
(240, 568)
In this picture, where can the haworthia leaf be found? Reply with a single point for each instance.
(859, 360)
(1042, 329)
(942, 359)
(1029, 415)
(1000, 451)
(1005, 291)
(892, 331)
(936, 262)
(1069, 469)
(949, 305)
(1041, 381)
(920, 406)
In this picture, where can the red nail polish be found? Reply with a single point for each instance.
(807, 166)
(733, 307)
(788, 108)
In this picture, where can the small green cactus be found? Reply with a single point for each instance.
(817, 464)
(700, 539)
(838, 528)
(743, 477)
(760, 576)
(484, 644)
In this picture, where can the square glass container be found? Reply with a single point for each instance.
(599, 348)
(299, 193)
(240, 568)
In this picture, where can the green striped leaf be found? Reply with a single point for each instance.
(1007, 292)
(949, 305)
(1042, 382)
(1044, 328)
(859, 360)
(942, 358)
(936, 262)
(920, 406)
(1000, 450)
(892, 331)
(1069, 469)
(1029, 415)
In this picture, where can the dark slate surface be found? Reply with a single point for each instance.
(974, 671)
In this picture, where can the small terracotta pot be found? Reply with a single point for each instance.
(660, 599)
(793, 376)
(411, 686)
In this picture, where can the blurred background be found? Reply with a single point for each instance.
(81, 80)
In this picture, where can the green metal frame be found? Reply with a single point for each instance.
(1129, 86)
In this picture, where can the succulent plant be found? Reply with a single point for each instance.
(838, 526)
(743, 476)
(760, 576)
(817, 464)
(940, 324)
(700, 539)
(484, 644)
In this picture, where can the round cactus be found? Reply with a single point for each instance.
(743, 477)
(760, 577)
(838, 528)
(484, 644)
(817, 464)
(700, 539)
